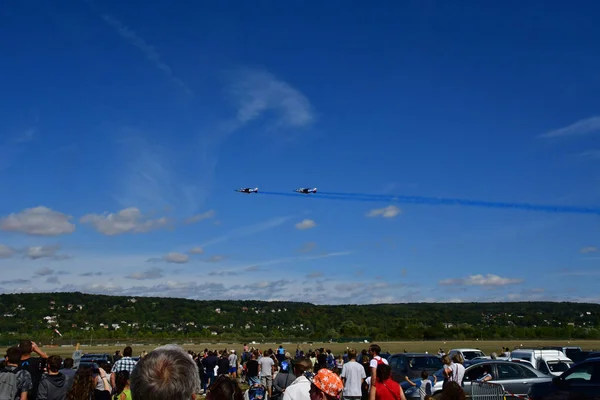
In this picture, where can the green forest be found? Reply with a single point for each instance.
(80, 316)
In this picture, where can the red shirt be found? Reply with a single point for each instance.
(387, 390)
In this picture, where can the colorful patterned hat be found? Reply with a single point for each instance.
(328, 382)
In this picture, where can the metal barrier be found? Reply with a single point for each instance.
(487, 391)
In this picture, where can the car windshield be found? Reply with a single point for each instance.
(469, 355)
(424, 363)
(558, 366)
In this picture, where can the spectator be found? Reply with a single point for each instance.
(300, 388)
(210, 363)
(82, 387)
(376, 359)
(383, 387)
(102, 386)
(166, 373)
(452, 391)
(455, 371)
(223, 364)
(252, 370)
(425, 385)
(54, 385)
(34, 365)
(283, 379)
(353, 375)
(67, 369)
(225, 388)
(325, 385)
(15, 382)
(266, 369)
(233, 364)
(123, 390)
(125, 363)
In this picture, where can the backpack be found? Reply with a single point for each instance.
(8, 383)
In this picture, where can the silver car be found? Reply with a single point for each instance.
(516, 378)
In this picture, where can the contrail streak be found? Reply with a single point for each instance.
(422, 200)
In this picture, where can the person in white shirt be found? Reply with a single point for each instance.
(353, 375)
(300, 388)
(455, 371)
(376, 359)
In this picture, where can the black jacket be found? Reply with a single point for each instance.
(53, 387)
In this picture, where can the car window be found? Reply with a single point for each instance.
(543, 368)
(582, 372)
(526, 372)
(469, 355)
(424, 363)
(474, 373)
(558, 366)
(508, 371)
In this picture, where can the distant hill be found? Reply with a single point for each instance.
(78, 315)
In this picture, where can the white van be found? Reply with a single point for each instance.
(550, 362)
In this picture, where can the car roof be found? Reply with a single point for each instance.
(466, 349)
(415, 355)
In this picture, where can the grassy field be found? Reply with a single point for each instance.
(393, 347)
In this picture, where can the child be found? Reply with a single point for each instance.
(425, 385)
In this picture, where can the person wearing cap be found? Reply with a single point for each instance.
(233, 367)
(325, 385)
(300, 388)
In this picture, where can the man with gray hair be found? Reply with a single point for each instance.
(166, 373)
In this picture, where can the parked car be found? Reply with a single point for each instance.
(412, 364)
(581, 381)
(516, 378)
(96, 358)
(548, 361)
(468, 354)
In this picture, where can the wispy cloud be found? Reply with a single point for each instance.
(173, 258)
(386, 212)
(579, 128)
(129, 220)
(256, 91)
(149, 51)
(150, 177)
(248, 230)
(589, 155)
(481, 280)
(589, 249)
(199, 217)
(307, 247)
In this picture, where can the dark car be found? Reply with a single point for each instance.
(90, 358)
(516, 378)
(412, 364)
(581, 381)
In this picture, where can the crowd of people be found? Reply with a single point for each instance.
(169, 372)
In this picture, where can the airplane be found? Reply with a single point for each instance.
(247, 190)
(306, 190)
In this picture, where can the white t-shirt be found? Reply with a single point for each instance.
(458, 373)
(298, 390)
(354, 373)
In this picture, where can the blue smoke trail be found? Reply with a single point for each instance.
(421, 200)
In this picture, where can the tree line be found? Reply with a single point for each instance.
(78, 317)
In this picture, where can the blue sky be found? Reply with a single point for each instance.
(126, 126)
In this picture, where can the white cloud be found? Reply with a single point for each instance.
(589, 154)
(306, 224)
(256, 92)
(581, 127)
(481, 280)
(6, 252)
(152, 273)
(37, 252)
(149, 51)
(386, 212)
(39, 221)
(588, 249)
(307, 247)
(129, 220)
(44, 271)
(200, 217)
(177, 258)
(197, 250)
